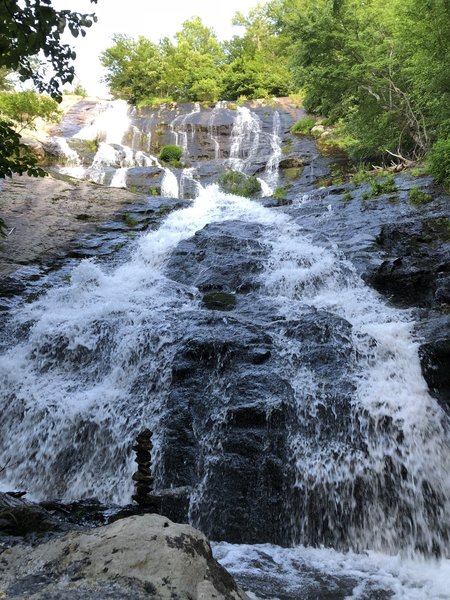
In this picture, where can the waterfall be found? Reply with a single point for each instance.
(119, 179)
(266, 191)
(179, 128)
(212, 133)
(245, 137)
(59, 147)
(110, 125)
(274, 160)
(169, 184)
(189, 187)
(375, 477)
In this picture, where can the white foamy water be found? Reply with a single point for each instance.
(268, 572)
(109, 126)
(73, 385)
(274, 159)
(169, 184)
(62, 149)
(95, 364)
(245, 137)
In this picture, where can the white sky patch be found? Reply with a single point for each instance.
(150, 18)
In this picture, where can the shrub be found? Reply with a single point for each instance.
(239, 184)
(154, 101)
(303, 126)
(79, 90)
(417, 196)
(378, 187)
(280, 192)
(383, 186)
(438, 161)
(171, 154)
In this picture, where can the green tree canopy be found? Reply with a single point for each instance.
(28, 30)
(381, 67)
(195, 66)
(258, 60)
(23, 108)
(134, 68)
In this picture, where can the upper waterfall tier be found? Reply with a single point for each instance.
(116, 145)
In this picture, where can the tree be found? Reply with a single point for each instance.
(5, 82)
(34, 26)
(189, 68)
(134, 68)
(194, 64)
(257, 61)
(381, 67)
(23, 108)
(29, 28)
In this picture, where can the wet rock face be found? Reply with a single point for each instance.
(226, 257)
(402, 250)
(134, 558)
(20, 518)
(417, 272)
(230, 413)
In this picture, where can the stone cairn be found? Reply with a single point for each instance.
(143, 477)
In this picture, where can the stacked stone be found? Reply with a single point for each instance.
(143, 477)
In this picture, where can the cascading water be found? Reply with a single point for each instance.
(179, 127)
(274, 160)
(110, 124)
(61, 148)
(169, 184)
(113, 159)
(245, 137)
(213, 130)
(368, 449)
(189, 186)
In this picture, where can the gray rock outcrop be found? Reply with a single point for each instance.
(138, 557)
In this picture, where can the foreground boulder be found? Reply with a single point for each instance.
(139, 557)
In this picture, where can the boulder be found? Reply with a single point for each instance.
(19, 517)
(138, 557)
(35, 146)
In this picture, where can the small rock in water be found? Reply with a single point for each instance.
(216, 300)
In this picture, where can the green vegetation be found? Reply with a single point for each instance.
(303, 126)
(439, 161)
(171, 154)
(239, 184)
(378, 187)
(280, 192)
(417, 196)
(195, 66)
(79, 90)
(129, 220)
(28, 30)
(23, 108)
(380, 69)
(218, 300)
(376, 72)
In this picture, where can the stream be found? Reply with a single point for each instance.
(294, 424)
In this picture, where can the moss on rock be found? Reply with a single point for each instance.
(218, 300)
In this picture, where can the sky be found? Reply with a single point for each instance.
(153, 19)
